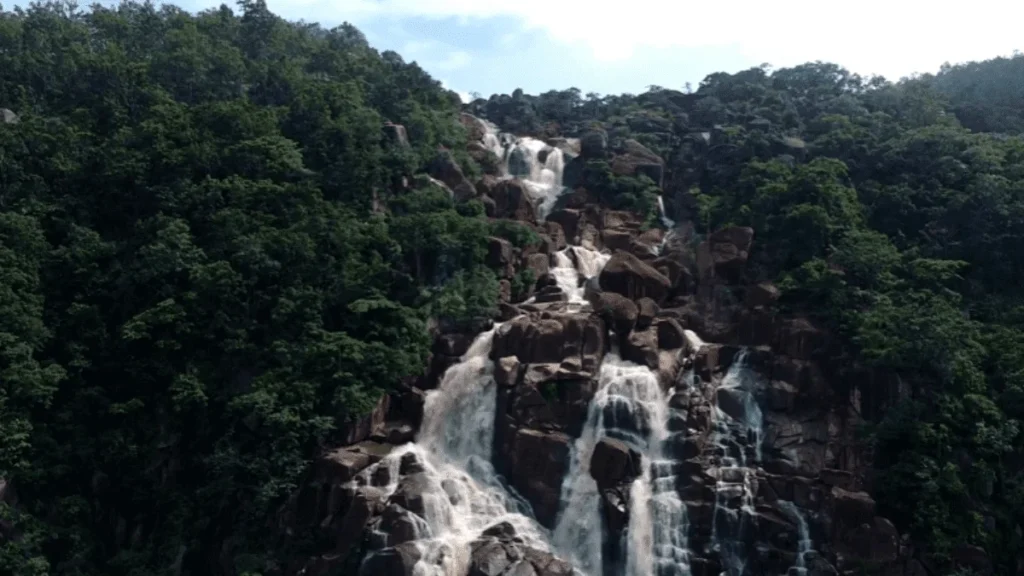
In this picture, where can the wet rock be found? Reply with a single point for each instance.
(398, 525)
(619, 312)
(395, 134)
(489, 558)
(671, 335)
(536, 465)
(445, 168)
(851, 508)
(732, 402)
(506, 371)
(627, 275)
(877, 542)
(679, 276)
(647, 310)
(614, 463)
(512, 201)
(410, 493)
(397, 561)
(641, 347)
(724, 254)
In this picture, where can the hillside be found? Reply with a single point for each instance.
(244, 263)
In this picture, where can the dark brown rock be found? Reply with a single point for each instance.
(445, 168)
(973, 557)
(614, 463)
(395, 134)
(619, 312)
(763, 294)
(616, 239)
(539, 264)
(627, 275)
(569, 221)
(512, 201)
(641, 347)
(647, 310)
(359, 428)
(724, 254)
(506, 371)
(340, 465)
(536, 466)
(499, 256)
(670, 334)
(397, 561)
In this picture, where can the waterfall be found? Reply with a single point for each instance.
(629, 406)
(572, 263)
(805, 545)
(538, 165)
(737, 431)
(463, 495)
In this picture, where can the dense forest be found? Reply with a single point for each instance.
(213, 257)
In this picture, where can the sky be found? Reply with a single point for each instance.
(496, 46)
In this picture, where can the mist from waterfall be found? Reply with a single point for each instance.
(737, 434)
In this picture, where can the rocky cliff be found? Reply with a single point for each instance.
(644, 359)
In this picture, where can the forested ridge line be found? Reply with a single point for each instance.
(213, 255)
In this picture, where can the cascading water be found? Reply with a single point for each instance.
(570, 264)
(737, 432)
(805, 545)
(462, 494)
(629, 406)
(538, 165)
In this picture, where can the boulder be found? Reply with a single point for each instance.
(627, 275)
(615, 239)
(340, 466)
(973, 557)
(619, 312)
(410, 493)
(539, 264)
(500, 256)
(475, 127)
(556, 237)
(613, 463)
(506, 371)
(397, 561)
(569, 221)
(647, 310)
(395, 134)
(641, 347)
(671, 335)
(724, 254)
(488, 558)
(635, 159)
(535, 466)
(763, 294)
(445, 168)
(512, 201)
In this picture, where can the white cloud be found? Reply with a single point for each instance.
(464, 96)
(455, 60)
(891, 37)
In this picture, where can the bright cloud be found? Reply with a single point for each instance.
(890, 37)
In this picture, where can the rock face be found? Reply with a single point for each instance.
(447, 170)
(758, 446)
(627, 275)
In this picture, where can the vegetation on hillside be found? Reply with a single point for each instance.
(893, 213)
(204, 272)
(207, 265)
